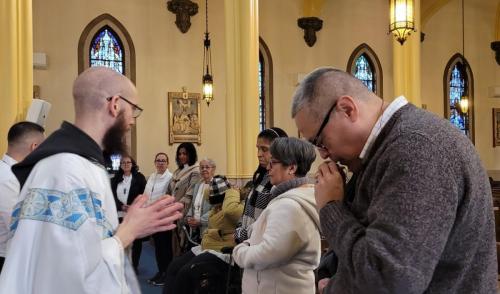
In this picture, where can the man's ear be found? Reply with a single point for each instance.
(293, 169)
(348, 106)
(114, 106)
(33, 146)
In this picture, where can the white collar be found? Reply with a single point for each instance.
(8, 160)
(165, 173)
(381, 122)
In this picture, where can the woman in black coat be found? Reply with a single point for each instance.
(127, 184)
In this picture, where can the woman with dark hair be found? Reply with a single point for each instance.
(259, 195)
(186, 175)
(127, 184)
(284, 246)
(155, 188)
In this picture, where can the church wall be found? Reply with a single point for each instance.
(443, 39)
(166, 60)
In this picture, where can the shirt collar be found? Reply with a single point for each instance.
(8, 160)
(379, 125)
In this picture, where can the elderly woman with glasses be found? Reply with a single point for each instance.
(284, 245)
(196, 219)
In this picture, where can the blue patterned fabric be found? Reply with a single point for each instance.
(69, 210)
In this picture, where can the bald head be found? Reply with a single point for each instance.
(323, 86)
(94, 85)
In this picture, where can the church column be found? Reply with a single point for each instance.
(16, 63)
(406, 66)
(242, 92)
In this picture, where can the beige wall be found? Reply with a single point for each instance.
(443, 40)
(167, 59)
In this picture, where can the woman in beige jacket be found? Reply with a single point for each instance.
(284, 245)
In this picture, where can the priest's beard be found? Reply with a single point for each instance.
(114, 140)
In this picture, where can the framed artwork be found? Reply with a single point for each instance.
(496, 127)
(184, 117)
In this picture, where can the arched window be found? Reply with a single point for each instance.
(106, 42)
(106, 50)
(265, 86)
(458, 82)
(365, 65)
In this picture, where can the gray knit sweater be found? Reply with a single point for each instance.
(422, 217)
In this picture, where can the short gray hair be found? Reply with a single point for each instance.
(325, 83)
(293, 151)
(210, 161)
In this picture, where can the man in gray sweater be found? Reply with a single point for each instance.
(421, 220)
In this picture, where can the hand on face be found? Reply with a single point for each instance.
(329, 185)
(142, 220)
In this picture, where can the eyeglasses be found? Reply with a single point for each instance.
(316, 141)
(273, 161)
(137, 110)
(205, 167)
(161, 160)
(125, 162)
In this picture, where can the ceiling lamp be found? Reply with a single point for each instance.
(464, 100)
(402, 19)
(208, 81)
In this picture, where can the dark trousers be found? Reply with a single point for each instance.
(136, 252)
(204, 273)
(2, 260)
(163, 249)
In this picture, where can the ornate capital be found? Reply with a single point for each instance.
(495, 46)
(183, 10)
(310, 25)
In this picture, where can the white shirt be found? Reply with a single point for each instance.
(198, 201)
(9, 195)
(122, 190)
(157, 185)
(381, 122)
(62, 233)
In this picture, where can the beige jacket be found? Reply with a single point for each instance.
(284, 246)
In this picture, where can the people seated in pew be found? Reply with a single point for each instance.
(284, 245)
(196, 218)
(205, 265)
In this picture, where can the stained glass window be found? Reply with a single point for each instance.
(106, 50)
(457, 89)
(262, 102)
(364, 72)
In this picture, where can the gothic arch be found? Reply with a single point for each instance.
(374, 64)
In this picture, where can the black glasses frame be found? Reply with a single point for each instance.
(323, 125)
(137, 109)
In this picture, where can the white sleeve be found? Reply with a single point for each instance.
(63, 242)
(9, 195)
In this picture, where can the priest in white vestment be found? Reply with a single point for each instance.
(65, 236)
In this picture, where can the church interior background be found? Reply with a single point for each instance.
(258, 56)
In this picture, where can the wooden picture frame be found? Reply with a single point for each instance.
(184, 117)
(496, 127)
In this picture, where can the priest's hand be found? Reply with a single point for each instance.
(329, 184)
(142, 220)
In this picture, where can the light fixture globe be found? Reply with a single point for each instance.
(207, 80)
(208, 87)
(402, 20)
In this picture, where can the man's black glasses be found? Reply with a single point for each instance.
(315, 141)
(137, 110)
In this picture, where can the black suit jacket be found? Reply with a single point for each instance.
(136, 188)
